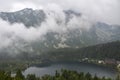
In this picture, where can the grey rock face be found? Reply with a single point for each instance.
(26, 16)
(75, 38)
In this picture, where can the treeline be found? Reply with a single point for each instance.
(102, 51)
(63, 75)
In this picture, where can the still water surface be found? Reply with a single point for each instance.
(79, 67)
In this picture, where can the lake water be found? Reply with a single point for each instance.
(79, 67)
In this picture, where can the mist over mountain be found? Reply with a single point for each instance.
(26, 16)
(38, 31)
(32, 18)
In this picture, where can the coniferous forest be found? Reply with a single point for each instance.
(63, 75)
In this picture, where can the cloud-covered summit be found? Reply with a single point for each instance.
(51, 29)
(53, 24)
(97, 10)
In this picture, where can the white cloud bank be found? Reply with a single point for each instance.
(13, 36)
(98, 10)
(93, 10)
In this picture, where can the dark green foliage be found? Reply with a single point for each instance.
(63, 75)
(88, 76)
(5, 76)
(19, 75)
(118, 77)
(31, 77)
(102, 51)
(96, 78)
(57, 74)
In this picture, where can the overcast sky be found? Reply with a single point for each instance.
(105, 10)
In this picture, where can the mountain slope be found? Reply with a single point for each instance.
(26, 16)
(102, 51)
(69, 30)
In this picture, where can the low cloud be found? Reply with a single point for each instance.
(97, 10)
(17, 37)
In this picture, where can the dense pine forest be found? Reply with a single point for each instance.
(63, 75)
(109, 50)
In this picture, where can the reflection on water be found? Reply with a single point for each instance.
(80, 67)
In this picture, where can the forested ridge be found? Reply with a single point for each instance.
(101, 51)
